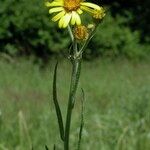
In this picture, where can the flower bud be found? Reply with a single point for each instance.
(81, 33)
(98, 15)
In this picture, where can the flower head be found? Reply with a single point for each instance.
(81, 33)
(98, 15)
(69, 11)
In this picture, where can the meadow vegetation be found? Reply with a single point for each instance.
(116, 78)
(117, 114)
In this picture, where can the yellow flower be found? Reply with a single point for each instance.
(69, 11)
(99, 14)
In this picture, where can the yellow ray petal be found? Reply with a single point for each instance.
(55, 9)
(58, 16)
(78, 19)
(73, 18)
(67, 18)
(54, 3)
(79, 11)
(91, 5)
(61, 21)
(87, 9)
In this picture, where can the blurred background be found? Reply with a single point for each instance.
(26, 29)
(116, 65)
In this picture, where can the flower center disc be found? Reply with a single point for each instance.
(71, 5)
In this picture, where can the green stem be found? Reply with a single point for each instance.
(87, 41)
(70, 33)
(76, 67)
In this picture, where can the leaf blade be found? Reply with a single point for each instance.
(57, 107)
(46, 148)
(82, 119)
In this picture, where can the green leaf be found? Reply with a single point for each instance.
(54, 147)
(46, 147)
(82, 119)
(57, 108)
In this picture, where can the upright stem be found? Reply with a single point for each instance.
(76, 67)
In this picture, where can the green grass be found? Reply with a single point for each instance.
(117, 114)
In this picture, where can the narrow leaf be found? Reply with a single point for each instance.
(54, 148)
(57, 108)
(82, 119)
(46, 147)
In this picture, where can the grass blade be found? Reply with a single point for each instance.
(24, 130)
(57, 108)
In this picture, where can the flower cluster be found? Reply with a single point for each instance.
(69, 11)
